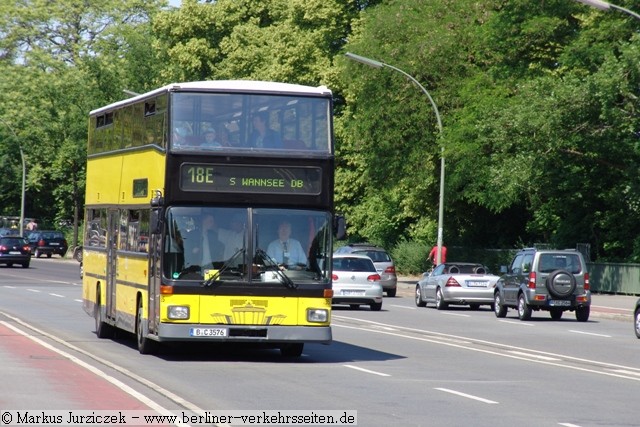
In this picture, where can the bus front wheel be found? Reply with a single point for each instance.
(145, 345)
(292, 350)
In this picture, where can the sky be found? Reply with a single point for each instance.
(175, 3)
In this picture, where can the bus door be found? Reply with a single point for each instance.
(113, 223)
(155, 253)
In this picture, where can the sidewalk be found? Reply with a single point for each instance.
(619, 307)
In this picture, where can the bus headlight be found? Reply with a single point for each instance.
(178, 312)
(317, 315)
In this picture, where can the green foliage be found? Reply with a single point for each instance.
(410, 257)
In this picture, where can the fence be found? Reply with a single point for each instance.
(614, 278)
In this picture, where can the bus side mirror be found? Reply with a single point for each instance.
(339, 227)
(155, 221)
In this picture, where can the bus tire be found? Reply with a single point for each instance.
(103, 329)
(292, 349)
(145, 345)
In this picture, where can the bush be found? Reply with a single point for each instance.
(410, 257)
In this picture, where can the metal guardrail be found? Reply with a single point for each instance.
(614, 278)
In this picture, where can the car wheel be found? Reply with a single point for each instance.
(560, 283)
(524, 310)
(418, 296)
(582, 313)
(9, 264)
(49, 255)
(145, 345)
(440, 304)
(375, 306)
(25, 265)
(103, 330)
(499, 309)
(292, 349)
(636, 316)
(556, 313)
(391, 292)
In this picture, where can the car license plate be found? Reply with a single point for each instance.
(208, 332)
(477, 283)
(352, 293)
(55, 244)
(559, 303)
(14, 252)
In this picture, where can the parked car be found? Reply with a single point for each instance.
(381, 259)
(356, 281)
(552, 280)
(636, 319)
(47, 242)
(460, 283)
(15, 250)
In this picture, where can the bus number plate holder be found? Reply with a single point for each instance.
(208, 332)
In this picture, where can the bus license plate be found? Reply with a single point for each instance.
(208, 332)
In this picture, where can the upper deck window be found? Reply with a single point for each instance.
(249, 122)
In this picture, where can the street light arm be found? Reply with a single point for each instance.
(603, 5)
(377, 64)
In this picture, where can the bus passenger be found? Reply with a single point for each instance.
(210, 140)
(202, 246)
(285, 250)
(263, 136)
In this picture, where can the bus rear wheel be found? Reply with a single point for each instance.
(292, 350)
(145, 345)
(103, 329)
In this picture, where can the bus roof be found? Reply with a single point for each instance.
(247, 86)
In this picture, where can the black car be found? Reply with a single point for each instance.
(47, 243)
(15, 250)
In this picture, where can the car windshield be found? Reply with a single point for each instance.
(7, 241)
(552, 262)
(353, 264)
(51, 235)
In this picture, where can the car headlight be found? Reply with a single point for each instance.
(178, 312)
(317, 315)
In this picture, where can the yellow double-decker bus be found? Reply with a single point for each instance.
(209, 215)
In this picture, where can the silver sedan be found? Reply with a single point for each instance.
(461, 283)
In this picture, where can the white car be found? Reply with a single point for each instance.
(461, 283)
(356, 281)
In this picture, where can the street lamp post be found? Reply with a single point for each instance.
(24, 173)
(603, 5)
(377, 64)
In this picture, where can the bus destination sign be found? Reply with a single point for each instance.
(250, 179)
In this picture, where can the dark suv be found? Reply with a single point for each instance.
(47, 243)
(381, 259)
(551, 280)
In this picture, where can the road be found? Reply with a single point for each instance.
(403, 365)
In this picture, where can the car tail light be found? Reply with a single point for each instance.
(41, 242)
(532, 280)
(587, 286)
(3, 248)
(390, 269)
(374, 278)
(452, 282)
(26, 248)
(334, 277)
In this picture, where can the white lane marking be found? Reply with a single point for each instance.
(34, 290)
(537, 356)
(142, 380)
(468, 396)
(441, 338)
(122, 386)
(514, 322)
(448, 313)
(10, 287)
(77, 300)
(568, 425)
(367, 370)
(626, 372)
(403, 306)
(590, 333)
(57, 295)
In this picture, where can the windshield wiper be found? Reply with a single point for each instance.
(273, 263)
(215, 278)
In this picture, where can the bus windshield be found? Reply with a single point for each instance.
(221, 244)
(249, 122)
